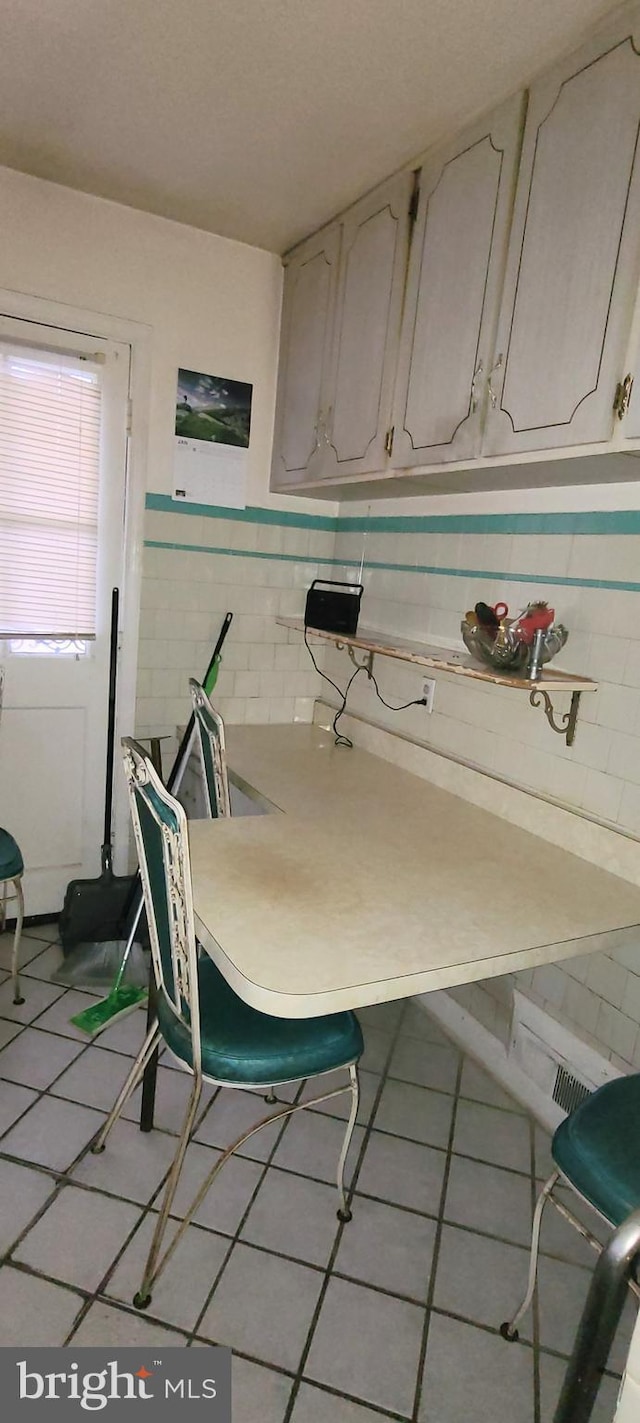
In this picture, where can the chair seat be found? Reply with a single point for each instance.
(241, 1045)
(598, 1148)
(11, 861)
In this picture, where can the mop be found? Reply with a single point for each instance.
(124, 997)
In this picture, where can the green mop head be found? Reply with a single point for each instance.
(116, 1005)
(212, 675)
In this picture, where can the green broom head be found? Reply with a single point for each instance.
(99, 1016)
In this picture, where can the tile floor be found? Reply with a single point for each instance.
(394, 1315)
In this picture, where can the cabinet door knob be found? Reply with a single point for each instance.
(476, 376)
(493, 394)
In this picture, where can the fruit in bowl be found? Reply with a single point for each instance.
(505, 643)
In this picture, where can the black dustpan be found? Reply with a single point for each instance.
(93, 909)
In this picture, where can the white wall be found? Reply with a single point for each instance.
(207, 304)
(210, 304)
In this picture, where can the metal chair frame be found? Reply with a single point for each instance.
(211, 737)
(18, 895)
(16, 881)
(509, 1330)
(144, 782)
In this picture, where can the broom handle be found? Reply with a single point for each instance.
(177, 770)
(174, 781)
(111, 724)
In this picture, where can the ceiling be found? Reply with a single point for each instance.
(257, 119)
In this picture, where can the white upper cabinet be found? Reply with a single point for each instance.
(573, 259)
(367, 329)
(305, 351)
(456, 267)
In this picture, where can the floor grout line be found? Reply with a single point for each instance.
(422, 1358)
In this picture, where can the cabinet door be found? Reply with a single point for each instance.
(305, 350)
(367, 330)
(456, 267)
(573, 255)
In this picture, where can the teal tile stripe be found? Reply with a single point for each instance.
(606, 521)
(488, 575)
(243, 553)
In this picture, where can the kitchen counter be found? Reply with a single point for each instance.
(367, 883)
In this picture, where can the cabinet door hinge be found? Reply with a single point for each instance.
(415, 198)
(622, 397)
(129, 418)
(388, 444)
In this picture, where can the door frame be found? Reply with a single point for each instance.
(137, 336)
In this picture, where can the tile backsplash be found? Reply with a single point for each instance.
(197, 566)
(420, 580)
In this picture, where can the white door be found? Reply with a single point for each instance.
(456, 267)
(305, 345)
(373, 267)
(573, 257)
(54, 717)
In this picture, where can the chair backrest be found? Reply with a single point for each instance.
(160, 829)
(213, 756)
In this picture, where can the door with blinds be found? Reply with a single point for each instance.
(63, 446)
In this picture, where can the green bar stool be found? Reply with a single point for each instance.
(11, 872)
(210, 1032)
(596, 1151)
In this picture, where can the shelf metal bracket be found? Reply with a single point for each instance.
(567, 724)
(365, 666)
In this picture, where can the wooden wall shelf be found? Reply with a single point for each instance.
(461, 664)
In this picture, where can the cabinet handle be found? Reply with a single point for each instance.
(623, 396)
(476, 375)
(493, 394)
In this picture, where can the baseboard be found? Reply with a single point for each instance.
(490, 1053)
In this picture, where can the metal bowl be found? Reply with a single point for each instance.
(504, 657)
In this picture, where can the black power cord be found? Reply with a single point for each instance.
(341, 739)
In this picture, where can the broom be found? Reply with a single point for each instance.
(124, 997)
(93, 908)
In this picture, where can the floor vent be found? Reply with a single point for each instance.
(569, 1091)
(560, 1064)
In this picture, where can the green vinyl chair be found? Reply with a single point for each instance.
(213, 758)
(211, 1032)
(597, 1153)
(11, 872)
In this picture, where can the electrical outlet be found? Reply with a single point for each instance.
(428, 691)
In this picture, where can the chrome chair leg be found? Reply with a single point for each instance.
(155, 1266)
(126, 1091)
(271, 1096)
(509, 1329)
(142, 1299)
(344, 1212)
(15, 953)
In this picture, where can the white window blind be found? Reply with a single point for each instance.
(50, 406)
